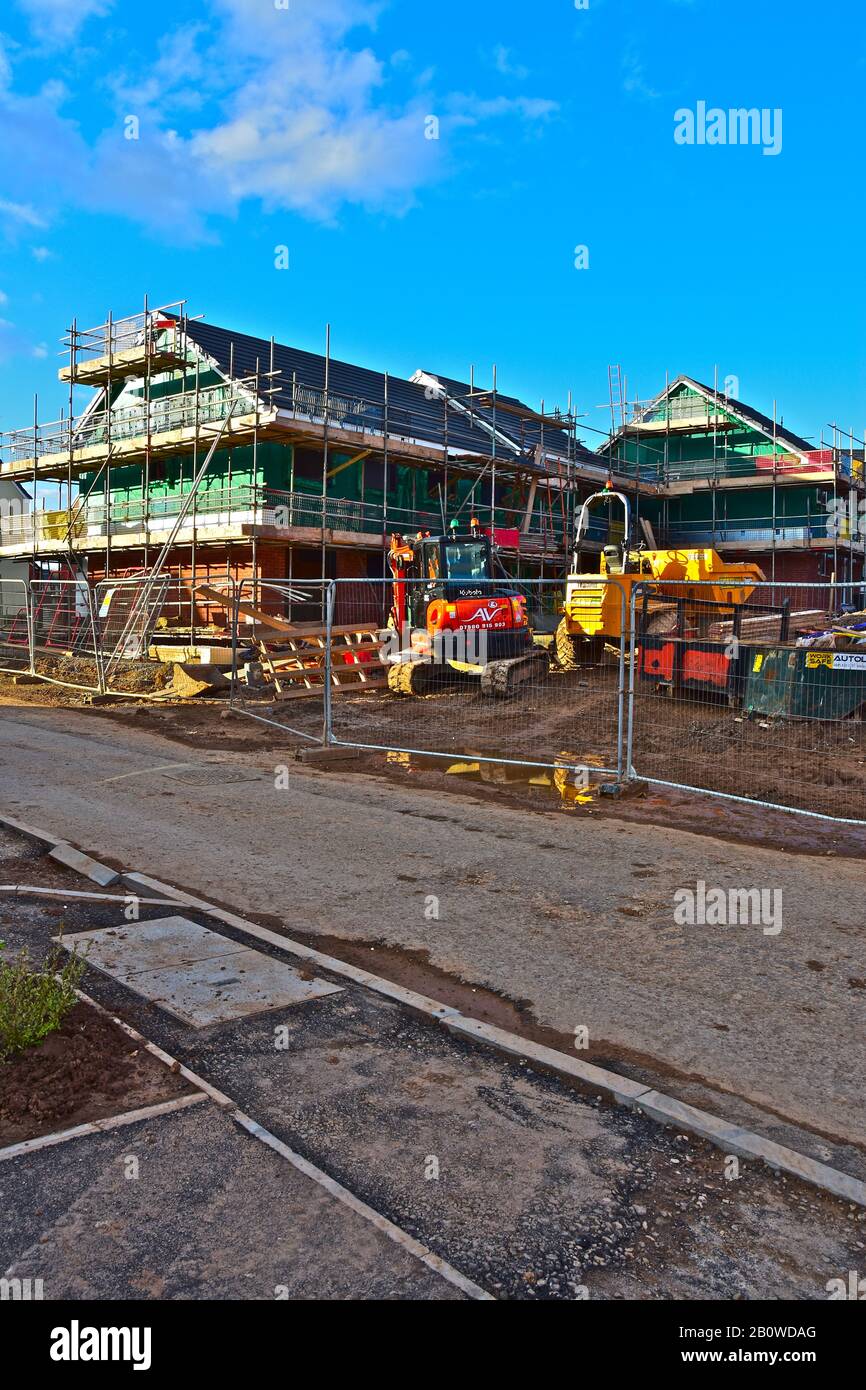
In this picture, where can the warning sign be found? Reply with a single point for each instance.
(816, 659)
(836, 661)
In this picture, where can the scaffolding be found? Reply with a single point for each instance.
(524, 488)
(835, 465)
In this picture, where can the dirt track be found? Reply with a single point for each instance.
(807, 764)
(567, 907)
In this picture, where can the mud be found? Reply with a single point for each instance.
(814, 766)
(87, 1070)
(412, 969)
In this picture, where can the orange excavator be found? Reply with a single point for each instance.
(451, 618)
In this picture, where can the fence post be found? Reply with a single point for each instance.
(31, 626)
(327, 731)
(236, 587)
(620, 699)
(632, 644)
(99, 655)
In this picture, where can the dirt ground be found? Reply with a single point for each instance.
(77, 679)
(803, 764)
(89, 1069)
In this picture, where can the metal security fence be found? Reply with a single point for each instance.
(15, 634)
(736, 688)
(748, 690)
(143, 627)
(487, 685)
(757, 692)
(281, 660)
(68, 632)
(65, 648)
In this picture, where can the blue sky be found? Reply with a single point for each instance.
(266, 123)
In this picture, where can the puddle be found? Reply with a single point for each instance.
(576, 783)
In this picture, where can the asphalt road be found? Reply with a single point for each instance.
(571, 914)
(531, 1187)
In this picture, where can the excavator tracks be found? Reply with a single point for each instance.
(418, 678)
(500, 679)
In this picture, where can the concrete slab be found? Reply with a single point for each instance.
(197, 975)
(83, 864)
(227, 987)
(133, 948)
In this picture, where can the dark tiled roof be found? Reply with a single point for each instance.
(526, 432)
(357, 396)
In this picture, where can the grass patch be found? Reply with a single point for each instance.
(34, 1001)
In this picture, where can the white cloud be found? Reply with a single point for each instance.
(5, 65)
(21, 212)
(13, 343)
(634, 77)
(16, 342)
(502, 61)
(288, 107)
(58, 21)
(472, 110)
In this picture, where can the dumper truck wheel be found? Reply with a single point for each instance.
(567, 649)
(573, 653)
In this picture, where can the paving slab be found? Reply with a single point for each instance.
(196, 974)
(146, 946)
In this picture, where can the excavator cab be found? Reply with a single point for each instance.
(445, 569)
(446, 600)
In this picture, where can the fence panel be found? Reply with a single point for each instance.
(136, 617)
(457, 696)
(63, 629)
(15, 640)
(280, 658)
(756, 692)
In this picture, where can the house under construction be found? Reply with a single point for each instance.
(739, 481)
(223, 456)
(252, 459)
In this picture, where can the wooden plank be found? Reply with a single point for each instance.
(337, 690)
(249, 611)
(310, 647)
(291, 673)
(267, 664)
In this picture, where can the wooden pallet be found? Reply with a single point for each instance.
(299, 659)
